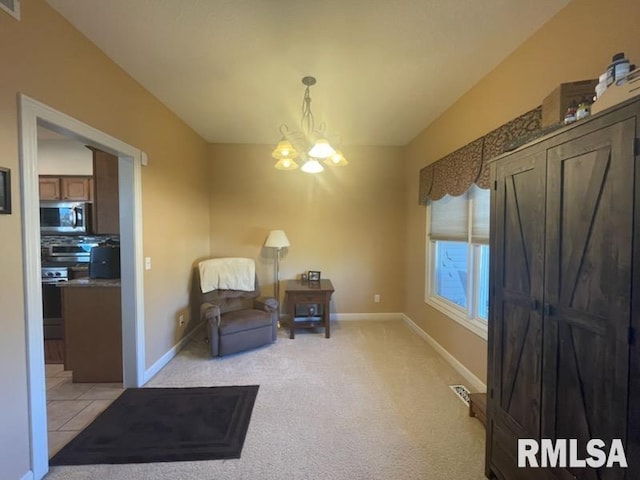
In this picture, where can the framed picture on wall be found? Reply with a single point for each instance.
(12, 7)
(5, 190)
(314, 276)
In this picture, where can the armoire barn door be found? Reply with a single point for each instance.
(589, 227)
(515, 337)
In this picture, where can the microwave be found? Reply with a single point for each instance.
(65, 217)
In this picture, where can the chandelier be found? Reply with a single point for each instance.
(308, 144)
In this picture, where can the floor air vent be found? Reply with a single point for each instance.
(462, 393)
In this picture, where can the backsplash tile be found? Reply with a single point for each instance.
(46, 240)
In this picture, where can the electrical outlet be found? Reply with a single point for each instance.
(181, 320)
(376, 298)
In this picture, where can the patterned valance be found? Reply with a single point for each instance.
(452, 174)
(455, 173)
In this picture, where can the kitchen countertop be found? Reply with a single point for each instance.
(91, 282)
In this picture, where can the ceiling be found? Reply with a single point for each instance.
(232, 69)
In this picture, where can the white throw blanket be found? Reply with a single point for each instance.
(227, 274)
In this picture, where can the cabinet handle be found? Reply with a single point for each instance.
(548, 310)
(535, 305)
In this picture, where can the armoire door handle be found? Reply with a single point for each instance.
(535, 305)
(548, 310)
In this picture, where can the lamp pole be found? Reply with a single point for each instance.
(277, 282)
(277, 239)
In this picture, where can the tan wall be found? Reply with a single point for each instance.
(64, 157)
(347, 222)
(576, 44)
(48, 60)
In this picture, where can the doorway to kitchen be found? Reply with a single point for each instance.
(130, 160)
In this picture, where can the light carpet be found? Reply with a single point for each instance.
(372, 402)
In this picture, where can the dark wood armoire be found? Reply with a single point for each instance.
(563, 359)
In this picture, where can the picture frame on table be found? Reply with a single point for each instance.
(314, 276)
(5, 190)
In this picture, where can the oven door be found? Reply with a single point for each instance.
(52, 311)
(63, 217)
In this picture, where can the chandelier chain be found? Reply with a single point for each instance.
(307, 124)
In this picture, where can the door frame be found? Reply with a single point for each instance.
(130, 161)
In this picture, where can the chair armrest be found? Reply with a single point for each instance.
(267, 304)
(209, 312)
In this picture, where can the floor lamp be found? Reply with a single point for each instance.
(277, 239)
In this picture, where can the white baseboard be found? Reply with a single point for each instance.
(348, 317)
(477, 384)
(166, 358)
(27, 476)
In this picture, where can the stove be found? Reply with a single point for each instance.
(55, 274)
(69, 253)
(60, 262)
(52, 301)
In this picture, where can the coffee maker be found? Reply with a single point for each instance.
(104, 262)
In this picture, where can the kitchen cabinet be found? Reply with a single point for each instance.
(563, 362)
(71, 188)
(106, 200)
(49, 188)
(92, 319)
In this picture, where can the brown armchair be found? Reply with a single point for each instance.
(238, 320)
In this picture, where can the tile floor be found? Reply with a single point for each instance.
(73, 406)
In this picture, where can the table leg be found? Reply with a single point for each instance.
(292, 318)
(327, 321)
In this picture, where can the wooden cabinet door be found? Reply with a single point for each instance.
(49, 188)
(93, 333)
(588, 264)
(515, 326)
(106, 207)
(72, 188)
(76, 188)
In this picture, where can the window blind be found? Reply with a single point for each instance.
(450, 218)
(480, 199)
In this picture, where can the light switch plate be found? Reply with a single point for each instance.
(147, 263)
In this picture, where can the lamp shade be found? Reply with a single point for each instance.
(284, 150)
(277, 239)
(286, 164)
(312, 166)
(337, 159)
(321, 149)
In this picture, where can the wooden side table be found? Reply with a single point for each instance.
(310, 300)
(478, 407)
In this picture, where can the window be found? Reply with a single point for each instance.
(457, 274)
